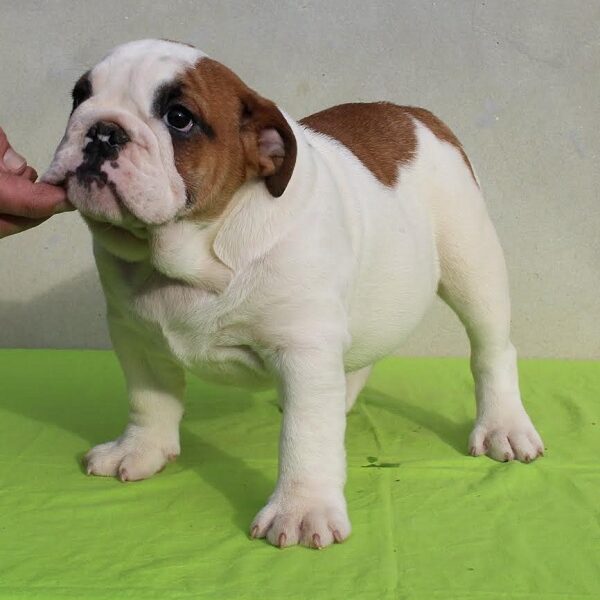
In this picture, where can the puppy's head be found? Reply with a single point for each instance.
(160, 132)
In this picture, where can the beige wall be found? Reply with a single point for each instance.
(518, 81)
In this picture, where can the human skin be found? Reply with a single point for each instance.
(23, 202)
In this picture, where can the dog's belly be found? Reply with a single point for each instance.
(394, 269)
(398, 274)
(385, 313)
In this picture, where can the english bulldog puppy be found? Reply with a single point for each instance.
(252, 249)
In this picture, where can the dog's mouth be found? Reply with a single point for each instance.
(87, 175)
(95, 182)
(127, 186)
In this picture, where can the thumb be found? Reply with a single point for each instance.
(14, 162)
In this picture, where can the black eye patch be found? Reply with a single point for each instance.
(82, 90)
(165, 95)
(170, 94)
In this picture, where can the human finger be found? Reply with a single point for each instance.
(22, 198)
(10, 161)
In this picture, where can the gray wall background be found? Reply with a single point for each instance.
(518, 81)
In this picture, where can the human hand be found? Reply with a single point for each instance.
(24, 203)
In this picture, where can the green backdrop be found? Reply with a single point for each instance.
(428, 521)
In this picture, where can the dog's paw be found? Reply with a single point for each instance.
(137, 454)
(506, 438)
(315, 521)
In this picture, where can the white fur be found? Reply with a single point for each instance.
(307, 291)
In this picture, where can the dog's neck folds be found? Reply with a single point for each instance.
(208, 254)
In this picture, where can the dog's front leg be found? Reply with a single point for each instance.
(155, 385)
(308, 504)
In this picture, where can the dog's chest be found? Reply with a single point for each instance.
(208, 333)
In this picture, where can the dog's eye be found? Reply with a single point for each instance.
(179, 118)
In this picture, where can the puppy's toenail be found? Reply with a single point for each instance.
(281, 540)
(316, 540)
(254, 531)
(337, 536)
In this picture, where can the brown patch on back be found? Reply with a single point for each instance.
(380, 134)
(214, 167)
(440, 130)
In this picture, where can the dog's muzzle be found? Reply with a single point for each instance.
(105, 141)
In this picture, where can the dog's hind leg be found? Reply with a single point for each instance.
(473, 282)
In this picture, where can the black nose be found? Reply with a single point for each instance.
(109, 135)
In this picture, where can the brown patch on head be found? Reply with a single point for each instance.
(240, 135)
(380, 134)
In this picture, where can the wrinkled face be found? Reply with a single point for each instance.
(161, 132)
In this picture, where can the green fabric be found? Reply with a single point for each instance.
(428, 521)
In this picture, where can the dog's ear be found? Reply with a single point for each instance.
(268, 140)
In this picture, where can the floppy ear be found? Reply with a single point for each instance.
(269, 142)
